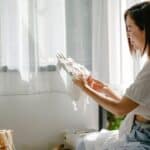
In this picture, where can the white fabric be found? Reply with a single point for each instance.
(73, 69)
(139, 92)
(74, 92)
(103, 140)
(96, 141)
(76, 138)
(109, 140)
(70, 88)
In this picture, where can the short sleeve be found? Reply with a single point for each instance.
(139, 91)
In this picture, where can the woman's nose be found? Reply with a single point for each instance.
(129, 34)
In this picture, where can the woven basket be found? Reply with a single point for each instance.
(6, 140)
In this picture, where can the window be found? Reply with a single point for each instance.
(31, 32)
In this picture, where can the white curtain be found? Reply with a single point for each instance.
(90, 31)
(79, 31)
(112, 62)
(31, 33)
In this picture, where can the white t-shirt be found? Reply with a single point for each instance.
(139, 92)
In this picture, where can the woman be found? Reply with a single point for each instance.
(135, 103)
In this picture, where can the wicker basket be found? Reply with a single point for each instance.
(6, 140)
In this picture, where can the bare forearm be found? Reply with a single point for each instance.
(108, 103)
(101, 87)
(113, 94)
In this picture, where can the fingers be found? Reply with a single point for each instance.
(79, 82)
(81, 77)
(99, 82)
(89, 80)
(95, 84)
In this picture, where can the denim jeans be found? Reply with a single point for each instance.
(140, 133)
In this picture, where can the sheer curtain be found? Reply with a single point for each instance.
(92, 32)
(112, 62)
(79, 31)
(31, 33)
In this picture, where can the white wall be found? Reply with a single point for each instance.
(39, 120)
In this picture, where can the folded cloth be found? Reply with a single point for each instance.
(137, 139)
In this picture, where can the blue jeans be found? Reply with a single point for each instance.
(140, 133)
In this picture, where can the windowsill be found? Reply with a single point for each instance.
(49, 68)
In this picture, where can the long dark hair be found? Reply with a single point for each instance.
(140, 13)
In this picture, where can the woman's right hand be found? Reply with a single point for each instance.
(102, 88)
